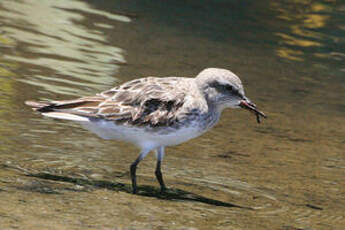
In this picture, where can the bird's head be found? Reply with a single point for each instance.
(224, 89)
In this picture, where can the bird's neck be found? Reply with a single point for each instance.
(211, 117)
(213, 110)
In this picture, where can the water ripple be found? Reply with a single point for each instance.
(59, 41)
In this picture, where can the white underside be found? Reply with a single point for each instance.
(143, 138)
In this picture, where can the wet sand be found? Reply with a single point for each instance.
(286, 173)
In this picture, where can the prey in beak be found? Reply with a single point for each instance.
(246, 104)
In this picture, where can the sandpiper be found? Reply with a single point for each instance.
(153, 112)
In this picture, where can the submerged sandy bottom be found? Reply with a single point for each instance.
(286, 173)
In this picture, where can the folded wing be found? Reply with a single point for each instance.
(147, 101)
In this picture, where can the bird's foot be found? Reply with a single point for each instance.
(163, 189)
(134, 190)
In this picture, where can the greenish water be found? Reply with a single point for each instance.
(286, 173)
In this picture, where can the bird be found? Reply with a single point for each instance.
(154, 112)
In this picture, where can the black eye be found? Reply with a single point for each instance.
(225, 88)
(228, 87)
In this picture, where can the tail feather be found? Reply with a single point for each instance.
(77, 110)
(51, 106)
(38, 105)
(66, 116)
(48, 109)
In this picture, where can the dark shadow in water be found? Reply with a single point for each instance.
(146, 190)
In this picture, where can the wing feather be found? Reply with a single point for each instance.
(146, 101)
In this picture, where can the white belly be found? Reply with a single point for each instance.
(144, 138)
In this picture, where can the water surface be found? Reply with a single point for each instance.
(287, 173)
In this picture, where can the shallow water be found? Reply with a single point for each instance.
(286, 173)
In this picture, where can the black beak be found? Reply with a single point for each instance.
(246, 104)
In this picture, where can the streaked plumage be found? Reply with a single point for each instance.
(154, 112)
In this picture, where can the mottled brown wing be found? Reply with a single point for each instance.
(147, 101)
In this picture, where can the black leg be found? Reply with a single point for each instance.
(133, 169)
(159, 176)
